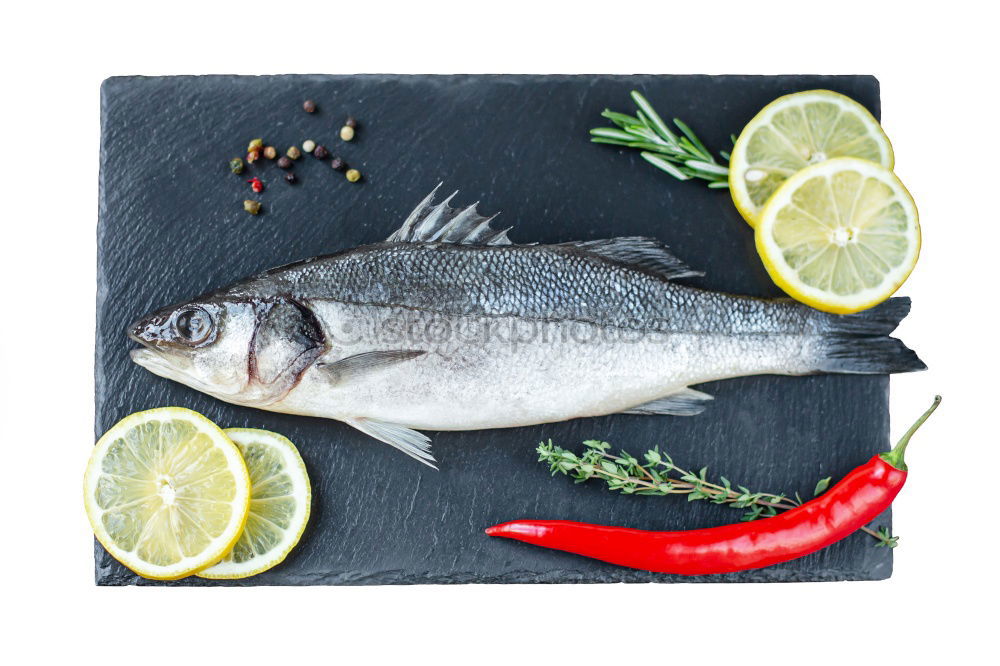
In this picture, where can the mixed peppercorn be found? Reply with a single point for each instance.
(256, 150)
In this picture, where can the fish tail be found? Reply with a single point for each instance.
(860, 343)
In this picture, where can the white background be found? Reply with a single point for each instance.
(939, 101)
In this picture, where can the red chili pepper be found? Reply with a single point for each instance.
(256, 185)
(856, 500)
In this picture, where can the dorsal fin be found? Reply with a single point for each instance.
(646, 253)
(440, 223)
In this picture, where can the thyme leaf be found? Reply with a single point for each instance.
(661, 476)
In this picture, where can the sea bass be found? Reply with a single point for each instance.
(447, 325)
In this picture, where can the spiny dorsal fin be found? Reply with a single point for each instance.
(645, 253)
(440, 223)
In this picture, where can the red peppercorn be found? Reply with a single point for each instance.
(256, 185)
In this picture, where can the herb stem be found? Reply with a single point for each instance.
(684, 157)
(660, 476)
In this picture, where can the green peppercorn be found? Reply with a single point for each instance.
(294, 153)
(251, 206)
(255, 144)
(236, 165)
(353, 175)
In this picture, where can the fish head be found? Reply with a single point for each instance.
(242, 350)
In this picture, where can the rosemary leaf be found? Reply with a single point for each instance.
(694, 139)
(612, 133)
(707, 167)
(654, 118)
(661, 163)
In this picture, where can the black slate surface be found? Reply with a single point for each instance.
(172, 226)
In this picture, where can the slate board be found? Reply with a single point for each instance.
(172, 226)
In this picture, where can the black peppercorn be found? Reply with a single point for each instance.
(284, 162)
(320, 153)
(309, 106)
(290, 178)
(351, 122)
(338, 163)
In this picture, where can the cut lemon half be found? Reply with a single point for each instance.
(280, 498)
(840, 236)
(166, 492)
(796, 131)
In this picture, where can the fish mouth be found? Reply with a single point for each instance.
(155, 361)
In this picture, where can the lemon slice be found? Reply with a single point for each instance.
(793, 132)
(166, 492)
(840, 236)
(279, 504)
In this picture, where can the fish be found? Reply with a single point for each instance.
(449, 325)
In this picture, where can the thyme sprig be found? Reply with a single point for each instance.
(682, 155)
(659, 475)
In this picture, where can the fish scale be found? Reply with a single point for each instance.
(447, 325)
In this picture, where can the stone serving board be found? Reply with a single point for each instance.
(172, 226)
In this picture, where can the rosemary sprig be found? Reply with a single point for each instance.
(659, 475)
(681, 155)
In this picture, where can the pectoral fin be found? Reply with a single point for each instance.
(360, 364)
(412, 443)
(686, 402)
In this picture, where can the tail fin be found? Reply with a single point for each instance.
(860, 343)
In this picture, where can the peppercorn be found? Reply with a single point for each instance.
(346, 132)
(321, 153)
(253, 155)
(290, 178)
(251, 206)
(351, 122)
(284, 162)
(338, 163)
(308, 145)
(256, 185)
(255, 144)
(309, 106)
(236, 165)
(353, 175)
(270, 152)
(294, 152)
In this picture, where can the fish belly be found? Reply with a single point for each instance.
(496, 372)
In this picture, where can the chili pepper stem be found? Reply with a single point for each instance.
(895, 456)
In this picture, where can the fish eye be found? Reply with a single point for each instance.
(193, 324)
